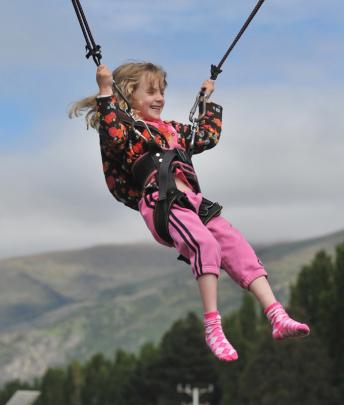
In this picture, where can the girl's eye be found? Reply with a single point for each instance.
(153, 91)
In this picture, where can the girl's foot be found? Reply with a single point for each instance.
(215, 338)
(282, 325)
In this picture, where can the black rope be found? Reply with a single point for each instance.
(216, 70)
(91, 48)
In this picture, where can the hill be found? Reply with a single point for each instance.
(59, 306)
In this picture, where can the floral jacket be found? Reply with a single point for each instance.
(121, 146)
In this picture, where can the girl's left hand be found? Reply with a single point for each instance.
(208, 87)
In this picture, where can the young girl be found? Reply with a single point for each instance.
(148, 168)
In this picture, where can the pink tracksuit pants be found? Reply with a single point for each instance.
(217, 245)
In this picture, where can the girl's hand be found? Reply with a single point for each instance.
(104, 80)
(208, 87)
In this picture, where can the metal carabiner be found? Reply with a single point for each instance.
(194, 128)
(201, 102)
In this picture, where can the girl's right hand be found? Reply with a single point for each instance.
(104, 80)
(208, 87)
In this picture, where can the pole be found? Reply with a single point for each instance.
(194, 393)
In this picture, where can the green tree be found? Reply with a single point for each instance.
(143, 383)
(336, 327)
(120, 387)
(300, 371)
(185, 359)
(288, 372)
(96, 381)
(74, 384)
(52, 387)
(319, 292)
(242, 329)
(313, 295)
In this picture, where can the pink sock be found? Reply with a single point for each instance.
(282, 325)
(215, 338)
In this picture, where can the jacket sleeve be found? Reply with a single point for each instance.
(113, 133)
(208, 133)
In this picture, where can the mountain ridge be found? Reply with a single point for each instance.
(57, 306)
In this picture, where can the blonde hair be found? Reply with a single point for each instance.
(127, 78)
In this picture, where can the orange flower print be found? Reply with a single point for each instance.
(208, 127)
(110, 117)
(137, 148)
(145, 133)
(116, 133)
(110, 181)
(217, 122)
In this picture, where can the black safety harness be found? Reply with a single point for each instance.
(157, 159)
(161, 161)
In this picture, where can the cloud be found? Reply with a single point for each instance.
(278, 154)
(282, 139)
(281, 149)
(40, 33)
(56, 197)
(279, 159)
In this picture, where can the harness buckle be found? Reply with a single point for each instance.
(94, 52)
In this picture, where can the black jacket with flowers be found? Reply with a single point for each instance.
(121, 147)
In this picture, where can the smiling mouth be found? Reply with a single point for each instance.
(156, 110)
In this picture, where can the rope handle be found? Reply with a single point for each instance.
(91, 48)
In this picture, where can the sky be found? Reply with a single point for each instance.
(278, 169)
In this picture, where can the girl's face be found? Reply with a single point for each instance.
(148, 98)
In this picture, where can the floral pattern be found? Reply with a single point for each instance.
(121, 146)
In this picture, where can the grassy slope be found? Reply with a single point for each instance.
(64, 305)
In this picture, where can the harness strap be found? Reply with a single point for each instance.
(153, 160)
(161, 160)
(165, 179)
(168, 195)
(208, 210)
(162, 210)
